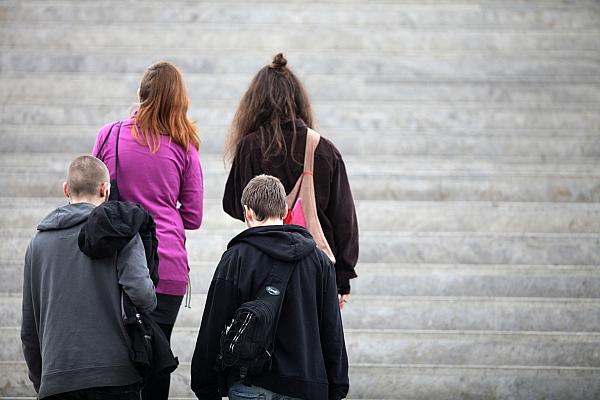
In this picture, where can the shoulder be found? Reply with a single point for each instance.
(107, 127)
(326, 152)
(229, 264)
(328, 149)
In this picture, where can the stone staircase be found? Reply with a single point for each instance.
(471, 131)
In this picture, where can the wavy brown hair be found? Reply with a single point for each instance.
(275, 96)
(163, 109)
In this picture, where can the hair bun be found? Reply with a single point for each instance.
(279, 61)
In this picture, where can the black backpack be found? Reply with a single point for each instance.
(248, 342)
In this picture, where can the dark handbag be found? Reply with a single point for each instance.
(248, 342)
(114, 188)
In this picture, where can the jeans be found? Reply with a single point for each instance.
(128, 392)
(239, 391)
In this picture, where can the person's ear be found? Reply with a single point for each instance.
(138, 95)
(66, 190)
(248, 214)
(104, 191)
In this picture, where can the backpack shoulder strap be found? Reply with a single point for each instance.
(273, 292)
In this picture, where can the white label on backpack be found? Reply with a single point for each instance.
(273, 291)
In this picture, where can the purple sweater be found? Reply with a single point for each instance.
(159, 182)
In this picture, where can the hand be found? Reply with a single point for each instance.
(343, 299)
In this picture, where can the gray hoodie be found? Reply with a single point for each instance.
(72, 331)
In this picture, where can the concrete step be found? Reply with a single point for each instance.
(465, 67)
(121, 89)
(419, 347)
(442, 15)
(346, 115)
(377, 215)
(396, 279)
(409, 247)
(424, 312)
(405, 187)
(374, 178)
(422, 216)
(403, 247)
(421, 166)
(533, 145)
(310, 37)
(418, 382)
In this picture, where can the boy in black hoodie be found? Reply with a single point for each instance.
(309, 360)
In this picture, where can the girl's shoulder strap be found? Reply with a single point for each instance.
(105, 140)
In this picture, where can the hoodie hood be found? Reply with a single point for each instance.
(66, 217)
(288, 243)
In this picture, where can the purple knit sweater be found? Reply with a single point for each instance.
(159, 182)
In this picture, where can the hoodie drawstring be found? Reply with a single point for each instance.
(188, 294)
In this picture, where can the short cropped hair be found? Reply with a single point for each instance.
(265, 195)
(86, 174)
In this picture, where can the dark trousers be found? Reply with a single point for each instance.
(157, 387)
(128, 392)
(165, 314)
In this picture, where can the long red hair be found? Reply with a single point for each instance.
(163, 109)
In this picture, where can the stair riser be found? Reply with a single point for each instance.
(424, 248)
(377, 187)
(415, 348)
(466, 67)
(121, 89)
(392, 215)
(583, 283)
(351, 143)
(300, 39)
(354, 117)
(425, 313)
(457, 16)
(423, 383)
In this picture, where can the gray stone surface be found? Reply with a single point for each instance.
(404, 247)
(470, 131)
(350, 115)
(449, 67)
(377, 215)
(383, 381)
(121, 89)
(559, 281)
(542, 147)
(420, 347)
(302, 39)
(426, 312)
(372, 178)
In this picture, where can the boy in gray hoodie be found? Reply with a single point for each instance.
(73, 337)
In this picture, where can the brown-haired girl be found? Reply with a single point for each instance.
(268, 136)
(159, 168)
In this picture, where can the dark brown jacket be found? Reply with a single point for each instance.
(335, 205)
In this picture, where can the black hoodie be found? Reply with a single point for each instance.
(310, 360)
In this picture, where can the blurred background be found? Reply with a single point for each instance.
(471, 134)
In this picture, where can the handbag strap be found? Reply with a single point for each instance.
(116, 145)
(105, 140)
(312, 141)
(117, 152)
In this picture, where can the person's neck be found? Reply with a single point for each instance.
(96, 201)
(266, 222)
